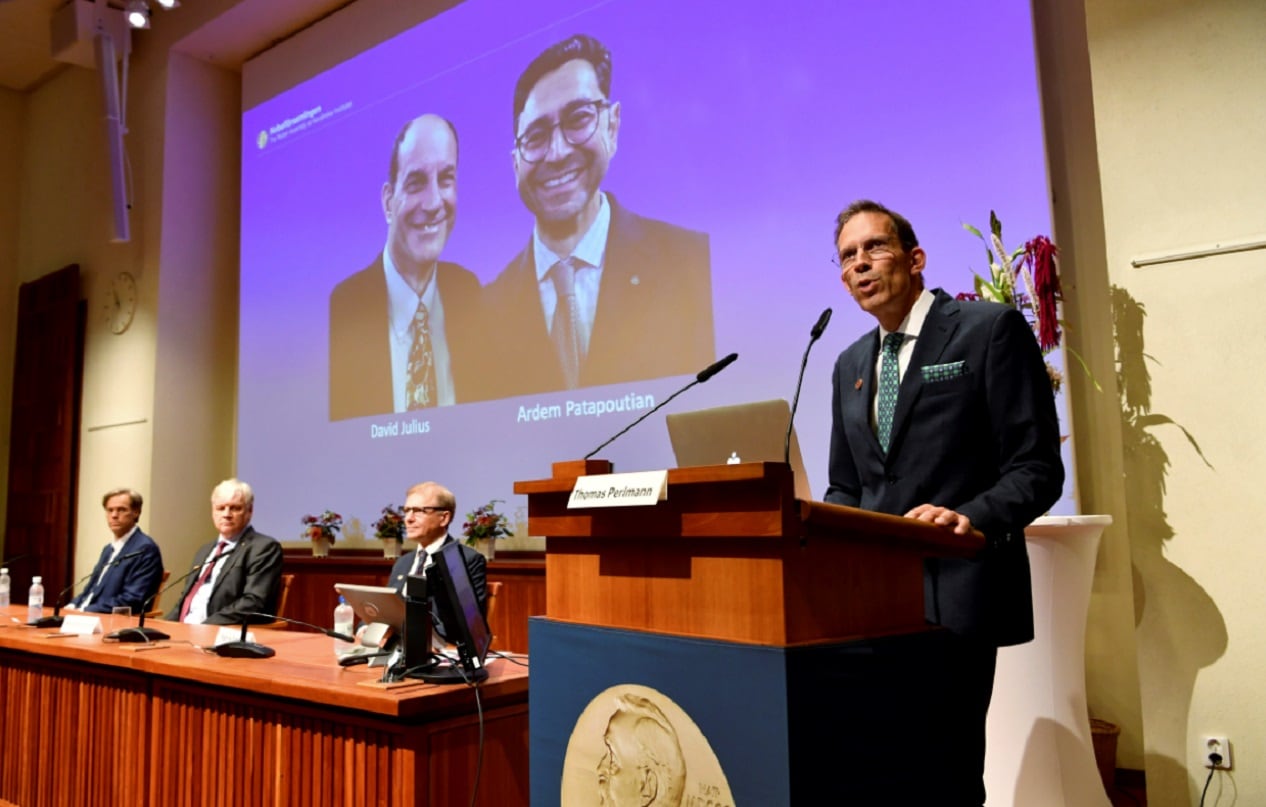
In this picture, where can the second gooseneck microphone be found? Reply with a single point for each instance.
(702, 376)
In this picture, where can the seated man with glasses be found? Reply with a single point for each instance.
(598, 295)
(428, 512)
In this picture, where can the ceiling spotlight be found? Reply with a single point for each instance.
(168, 5)
(137, 13)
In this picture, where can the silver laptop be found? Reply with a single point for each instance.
(374, 603)
(750, 432)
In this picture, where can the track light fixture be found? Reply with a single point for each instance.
(137, 13)
(168, 5)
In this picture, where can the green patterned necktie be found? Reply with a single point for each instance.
(421, 391)
(889, 382)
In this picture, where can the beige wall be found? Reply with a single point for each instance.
(66, 218)
(63, 194)
(196, 313)
(1112, 679)
(1180, 110)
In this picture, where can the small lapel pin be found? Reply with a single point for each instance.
(858, 385)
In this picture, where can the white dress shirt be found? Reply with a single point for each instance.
(588, 261)
(198, 607)
(117, 544)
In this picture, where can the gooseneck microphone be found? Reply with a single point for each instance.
(56, 620)
(814, 335)
(702, 376)
(244, 648)
(333, 634)
(141, 633)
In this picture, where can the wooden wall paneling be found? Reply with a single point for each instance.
(522, 596)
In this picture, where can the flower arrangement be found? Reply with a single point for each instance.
(1035, 267)
(326, 525)
(390, 524)
(486, 522)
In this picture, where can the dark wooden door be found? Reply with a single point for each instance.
(43, 436)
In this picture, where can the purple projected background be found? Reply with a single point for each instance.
(754, 125)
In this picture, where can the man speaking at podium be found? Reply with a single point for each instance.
(944, 413)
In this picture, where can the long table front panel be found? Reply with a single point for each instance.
(91, 722)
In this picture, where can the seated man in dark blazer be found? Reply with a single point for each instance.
(131, 565)
(428, 512)
(239, 573)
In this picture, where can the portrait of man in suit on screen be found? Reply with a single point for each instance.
(405, 331)
(118, 580)
(599, 294)
(944, 413)
(238, 574)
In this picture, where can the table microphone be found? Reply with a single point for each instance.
(814, 335)
(141, 633)
(242, 648)
(56, 620)
(704, 375)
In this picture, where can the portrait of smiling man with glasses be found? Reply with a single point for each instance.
(599, 295)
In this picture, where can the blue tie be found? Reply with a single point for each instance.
(889, 382)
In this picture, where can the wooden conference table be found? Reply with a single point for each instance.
(83, 721)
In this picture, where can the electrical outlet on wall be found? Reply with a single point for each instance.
(1213, 744)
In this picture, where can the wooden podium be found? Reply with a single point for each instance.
(732, 574)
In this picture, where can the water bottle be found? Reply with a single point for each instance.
(344, 622)
(5, 585)
(35, 600)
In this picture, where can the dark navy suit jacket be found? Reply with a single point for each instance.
(980, 437)
(129, 582)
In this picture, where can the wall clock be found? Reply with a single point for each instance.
(120, 302)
